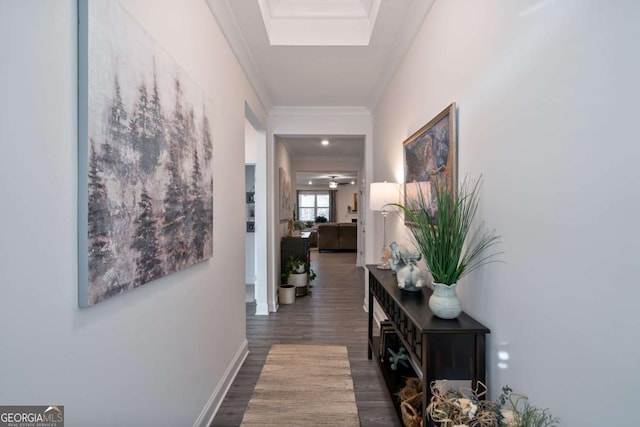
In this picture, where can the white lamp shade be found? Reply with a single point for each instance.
(383, 193)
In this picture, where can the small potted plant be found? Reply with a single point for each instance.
(296, 227)
(320, 219)
(444, 238)
(298, 273)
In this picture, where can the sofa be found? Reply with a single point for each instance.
(338, 236)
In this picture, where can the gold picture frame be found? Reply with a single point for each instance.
(430, 156)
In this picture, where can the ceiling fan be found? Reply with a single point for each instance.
(333, 184)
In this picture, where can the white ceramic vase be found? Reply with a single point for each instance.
(444, 301)
(299, 280)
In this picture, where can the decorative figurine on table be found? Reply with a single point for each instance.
(398, 254)
(399, 357)
(404, 263)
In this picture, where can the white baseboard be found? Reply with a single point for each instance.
(378, 314)
(213, 404)
(262, 309)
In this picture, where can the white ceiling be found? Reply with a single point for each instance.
(322, 178)
(320, 53)
(340, 148)
(306, 74)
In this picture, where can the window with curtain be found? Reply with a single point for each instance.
(312, 204)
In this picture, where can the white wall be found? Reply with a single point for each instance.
(251, 139)
(324, 164)
(157, 354)
(547, 95)
(263, 223)
(344, 198)
(282, 160)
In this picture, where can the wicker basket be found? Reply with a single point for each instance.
(411, 403)
(410, 417)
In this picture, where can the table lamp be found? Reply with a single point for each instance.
(380, 195)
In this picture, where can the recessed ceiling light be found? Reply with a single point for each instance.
(353, 182)
(310, 183)
(325, 142)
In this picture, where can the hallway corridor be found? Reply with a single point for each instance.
(333, 314)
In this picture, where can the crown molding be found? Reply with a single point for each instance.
(221, 11)
(319, 8)
(319, 159)
(319, 22)
(320, 111)
(413, 21)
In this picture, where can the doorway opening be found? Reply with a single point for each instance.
(256, 256)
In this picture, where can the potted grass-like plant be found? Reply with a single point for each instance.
(448, 246)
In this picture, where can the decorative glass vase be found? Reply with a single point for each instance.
(444, 302)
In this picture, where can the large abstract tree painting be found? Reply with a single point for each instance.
(145, 158)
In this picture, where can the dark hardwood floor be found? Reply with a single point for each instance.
(332, 315)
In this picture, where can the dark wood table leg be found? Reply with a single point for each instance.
(370, 340)
(480, 362)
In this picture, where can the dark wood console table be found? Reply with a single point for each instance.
(298, 248)
(295, 246)
(441, 349)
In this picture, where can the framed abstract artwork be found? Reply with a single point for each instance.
(285, 195)
(145, 196)
(430, 158)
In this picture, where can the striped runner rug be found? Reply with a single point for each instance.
(304, 385)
